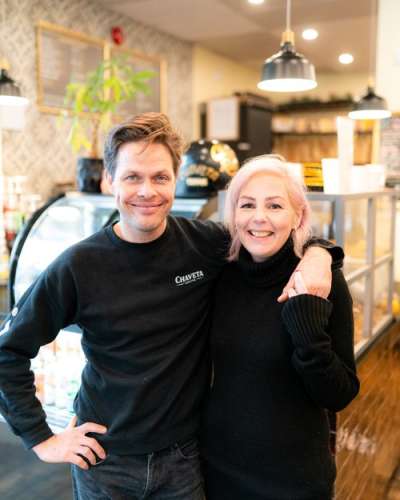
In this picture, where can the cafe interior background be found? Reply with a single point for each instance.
(208, 57)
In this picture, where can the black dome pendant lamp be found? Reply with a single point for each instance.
(371, 106)
(9, 91)
(287, 70)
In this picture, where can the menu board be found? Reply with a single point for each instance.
(63, 56)
(389, 150)
(155, 100)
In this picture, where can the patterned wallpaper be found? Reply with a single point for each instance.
(40, 151)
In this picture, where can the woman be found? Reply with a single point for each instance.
(278, 368)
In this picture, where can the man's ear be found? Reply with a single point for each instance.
(109, 180)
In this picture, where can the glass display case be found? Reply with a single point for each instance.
(363, 224)
(52, 229)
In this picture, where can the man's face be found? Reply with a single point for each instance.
(143, 187)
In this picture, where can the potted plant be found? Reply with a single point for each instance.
(93, 102)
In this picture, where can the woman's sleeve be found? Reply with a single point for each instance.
(322, 333)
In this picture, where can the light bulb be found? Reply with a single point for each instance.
(287, 85)
(346, 58)
(310, 34)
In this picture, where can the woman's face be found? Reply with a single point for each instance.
(264, 216)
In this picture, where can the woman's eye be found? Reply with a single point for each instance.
(246, 205)
(275, 206)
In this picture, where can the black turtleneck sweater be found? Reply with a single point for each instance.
(277, 369)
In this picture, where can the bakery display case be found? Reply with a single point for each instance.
(363, 224)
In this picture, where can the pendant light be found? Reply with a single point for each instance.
(287, 70)
(371, 106)
(10, 95)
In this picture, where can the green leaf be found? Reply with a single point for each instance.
(93, 101)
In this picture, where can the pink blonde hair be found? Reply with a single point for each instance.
(270, 165)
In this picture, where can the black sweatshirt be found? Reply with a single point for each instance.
(277, 368)
(144, 313)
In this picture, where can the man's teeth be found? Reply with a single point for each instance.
(260, 234)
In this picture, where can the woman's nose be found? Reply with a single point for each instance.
(260, 214)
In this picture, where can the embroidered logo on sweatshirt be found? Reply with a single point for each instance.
(189, 278)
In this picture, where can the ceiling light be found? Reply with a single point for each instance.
(346, 58)
(310, 34)
(371, 106)
(256, 2)
(10, 94)
(287, 70)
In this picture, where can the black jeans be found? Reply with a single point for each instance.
(170, 474)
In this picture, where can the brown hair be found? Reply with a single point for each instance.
(146, 127)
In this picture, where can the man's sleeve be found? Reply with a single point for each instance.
(46, 307)
(335, 251)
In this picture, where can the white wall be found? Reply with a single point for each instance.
(388, 53)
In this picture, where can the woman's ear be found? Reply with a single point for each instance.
(297, 221)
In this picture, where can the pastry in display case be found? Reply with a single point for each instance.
(357, 290)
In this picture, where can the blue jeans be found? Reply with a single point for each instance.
(170, 474)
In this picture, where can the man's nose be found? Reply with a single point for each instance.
(146, 189)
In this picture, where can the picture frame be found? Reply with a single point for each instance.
(62, 56)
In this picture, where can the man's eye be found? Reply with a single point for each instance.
(162, 178)
(132, 177)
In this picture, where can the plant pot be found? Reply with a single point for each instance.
(89, 174)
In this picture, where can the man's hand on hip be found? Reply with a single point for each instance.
(72, 444)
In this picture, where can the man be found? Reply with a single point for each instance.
(140, 291)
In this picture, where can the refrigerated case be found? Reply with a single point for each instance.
(53, 228)
(364, 225)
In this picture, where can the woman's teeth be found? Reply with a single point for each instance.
(260, 234)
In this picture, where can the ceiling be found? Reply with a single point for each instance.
(250, 33)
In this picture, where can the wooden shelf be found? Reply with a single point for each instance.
(303, 134)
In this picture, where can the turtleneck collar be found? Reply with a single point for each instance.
(271, 271)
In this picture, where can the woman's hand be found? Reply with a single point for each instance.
(316, 272)
(72, 444)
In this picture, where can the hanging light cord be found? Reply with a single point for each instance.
(288, 35)
(288, 9)
(372, 44)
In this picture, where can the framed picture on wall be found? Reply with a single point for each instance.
(63, 56)
(156, 99)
